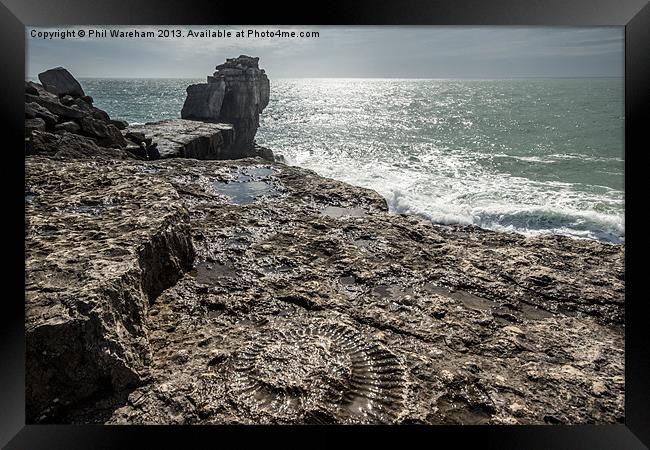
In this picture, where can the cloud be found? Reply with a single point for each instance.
(417, 51)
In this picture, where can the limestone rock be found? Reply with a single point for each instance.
(204, 101)
(188, 138)
(60, 82)
(101, 244)
(236, 94)
(294, 275)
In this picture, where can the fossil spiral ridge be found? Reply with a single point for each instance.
(325, 373)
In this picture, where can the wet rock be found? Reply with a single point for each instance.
(60, 82)
(284, 304)
(186, 138)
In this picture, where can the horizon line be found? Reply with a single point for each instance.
(363, 78)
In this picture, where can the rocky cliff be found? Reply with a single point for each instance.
(236, 93)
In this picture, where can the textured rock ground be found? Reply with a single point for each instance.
(307, 302)
(93, 264)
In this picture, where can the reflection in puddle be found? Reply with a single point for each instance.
(477, 303)
(248, 186)
(243, 193)
(335, 211)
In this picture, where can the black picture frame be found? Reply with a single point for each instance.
(15, 15)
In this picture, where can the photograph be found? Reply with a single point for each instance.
(325, 225)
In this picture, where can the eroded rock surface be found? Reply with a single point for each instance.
(101, 243)
(307, 302)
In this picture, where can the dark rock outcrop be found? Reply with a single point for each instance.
(64, 144)
(61, 106)
(60, 82)
(307, 302)
(236, 93)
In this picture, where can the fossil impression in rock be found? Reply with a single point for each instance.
(323, 373)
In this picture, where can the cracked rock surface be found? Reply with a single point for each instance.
(291, 298)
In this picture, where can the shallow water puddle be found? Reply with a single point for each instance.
(390, 291)
(244, 192)
(207, 273)
(336, 212)
(470, 301)
(347, 281)
(477, 303)
(249, 185)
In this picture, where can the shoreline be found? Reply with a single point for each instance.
(167, 284)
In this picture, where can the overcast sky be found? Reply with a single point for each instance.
(368, 52)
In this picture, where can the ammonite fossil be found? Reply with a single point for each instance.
(322, 373)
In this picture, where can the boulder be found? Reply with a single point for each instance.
(265, 153)
(203, 101)
(30, 88)
(64, 144)
(108, 135)
(60, 82)
(36, 124)
(138, 137)
(67, 100)
(33, 110)
(55, 107)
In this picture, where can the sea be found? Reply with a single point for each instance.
(522, 155)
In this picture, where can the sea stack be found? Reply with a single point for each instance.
(236, 93)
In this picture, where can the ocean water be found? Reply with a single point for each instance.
(522, 155)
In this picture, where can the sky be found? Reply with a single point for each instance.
(348, 52)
